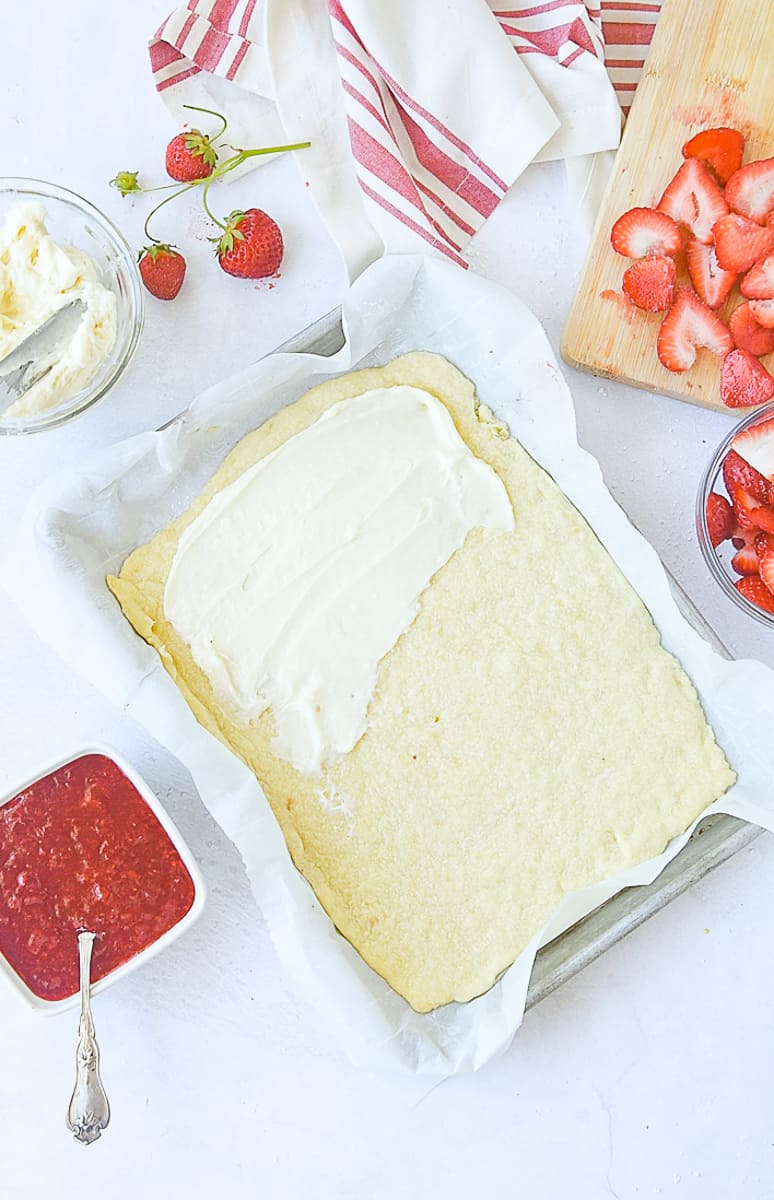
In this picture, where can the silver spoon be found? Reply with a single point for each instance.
(89, 1111)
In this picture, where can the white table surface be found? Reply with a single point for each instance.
(647, 1075)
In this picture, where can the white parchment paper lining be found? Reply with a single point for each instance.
(81, 526)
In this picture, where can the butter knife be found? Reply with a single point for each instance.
(34, 357)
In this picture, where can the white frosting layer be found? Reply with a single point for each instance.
(38, 276)
(294, 581)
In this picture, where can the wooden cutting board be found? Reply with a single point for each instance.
(711, 63)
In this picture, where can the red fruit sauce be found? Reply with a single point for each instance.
(81, 849)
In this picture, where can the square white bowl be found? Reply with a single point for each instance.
(154, 804)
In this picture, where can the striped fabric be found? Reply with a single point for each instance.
(407, 161)
(627, 30)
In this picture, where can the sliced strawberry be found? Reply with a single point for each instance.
(745, 561)
(720, 518)
(738, 472)
(688, 325)
(766, 570)
(764, 544)
(744, 381)
(650, 283)
(739, 242)
(748, 334)
(758, 283)
(754, 458)
(754, 589)
(643, 231)
(694, 199)
(763, 518)
(721, 149)
(745, 507)
(713, 285)
(750, 190)
(762, 311)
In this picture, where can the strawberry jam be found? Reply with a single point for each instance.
(81, 849)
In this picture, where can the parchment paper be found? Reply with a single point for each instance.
(82, 525)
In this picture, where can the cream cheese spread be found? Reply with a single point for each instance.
(38, 276)
(296, 579)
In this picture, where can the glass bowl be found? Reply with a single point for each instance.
(73, 221)
(718, 558)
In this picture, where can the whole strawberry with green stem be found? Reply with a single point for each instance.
(191, 155)
(250, 246)
(162, 268)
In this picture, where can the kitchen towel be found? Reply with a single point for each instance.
(420, 116)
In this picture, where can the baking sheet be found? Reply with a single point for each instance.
(80, 527)
(714, 841)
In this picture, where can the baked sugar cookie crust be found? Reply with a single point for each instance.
(528, 735)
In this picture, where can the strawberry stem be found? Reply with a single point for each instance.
(161, 204)
(211, 113)
(236, 160)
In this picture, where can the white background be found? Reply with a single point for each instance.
(647, 1075)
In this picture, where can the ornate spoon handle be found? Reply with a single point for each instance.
(89, 1111)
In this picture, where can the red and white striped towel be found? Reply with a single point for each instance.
(413, 134)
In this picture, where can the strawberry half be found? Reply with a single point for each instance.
(694, 199)
(721, 149)
(748, 334)
(689, 325)
(740, 242)
(745, 561)
(750, 190)
(754, 458)
(762, 311)
(744, 381)
(754, 589)
(738, 472)
(643, 231)
(712, 283)
(650, 283)
(720, 518)
(758, 283)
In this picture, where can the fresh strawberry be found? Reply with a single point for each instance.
(740, 242)
(650, 283)
(162, 269)
(748, 334)
(694, 199)
(754, 589)
(753, 464)
(713, 285)
(766, 570)
(251, 245)
(750, 190)
(688, 325)
(721, 149)
(720, 518)
(738, 472)
(643, 231)
(744, 381)
(745, 561)
(758, 283)
(190, 156)
(762, 311)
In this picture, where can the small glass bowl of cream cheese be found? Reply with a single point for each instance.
(56, 247)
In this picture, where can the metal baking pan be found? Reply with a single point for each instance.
(715, 839)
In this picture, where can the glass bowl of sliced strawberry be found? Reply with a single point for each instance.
(735, 514)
